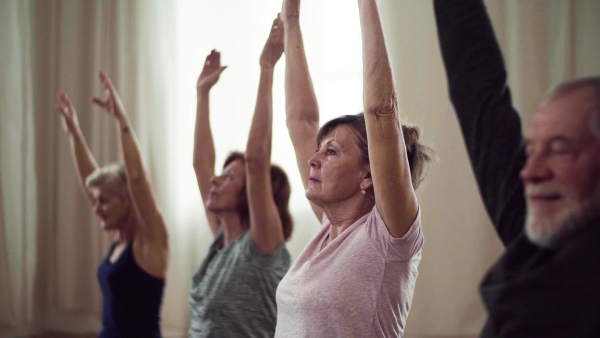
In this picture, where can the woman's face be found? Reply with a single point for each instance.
(336, 169)
(111, 209)
(227, 190)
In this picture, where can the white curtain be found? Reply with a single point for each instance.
(50, 244)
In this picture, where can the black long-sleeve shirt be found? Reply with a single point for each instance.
(530, 291)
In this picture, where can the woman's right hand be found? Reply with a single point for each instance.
(211, 72)
(67, 112)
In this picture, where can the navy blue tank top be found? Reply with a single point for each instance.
(131, 298)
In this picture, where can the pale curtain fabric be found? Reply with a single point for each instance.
(50, 245)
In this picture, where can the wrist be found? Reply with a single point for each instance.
(267, 68)
(290, 15)
(123, 121)
(203, 93)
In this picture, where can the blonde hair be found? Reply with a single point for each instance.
(112, 176)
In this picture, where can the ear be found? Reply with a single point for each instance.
(366, 182)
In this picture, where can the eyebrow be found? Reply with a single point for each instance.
(556, 138)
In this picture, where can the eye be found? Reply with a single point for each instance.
(560, 147)
(330, 151)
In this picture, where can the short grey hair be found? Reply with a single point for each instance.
(112, 176)
(591, 83)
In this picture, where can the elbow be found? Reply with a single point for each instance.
(257, 157)
(302, 121)
(381, 103)
(203, 163)
(136, 179)
(383, 109)
(197, 163)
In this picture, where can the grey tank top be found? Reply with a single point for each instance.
(233, 291)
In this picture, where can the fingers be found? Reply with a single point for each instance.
(213, 60)
(108, 85)
(63, 103)
(277, 30)
(104, 103)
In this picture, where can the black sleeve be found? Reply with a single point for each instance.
(490, 125)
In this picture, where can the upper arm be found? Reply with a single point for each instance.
(394, 194)
(203, 174)
(144, 202)
(265, 223)
(302, 110)
(490, 125)
(303, 133)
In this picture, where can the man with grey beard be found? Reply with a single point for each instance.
(541, 190)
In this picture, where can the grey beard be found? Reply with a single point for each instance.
(570, 226)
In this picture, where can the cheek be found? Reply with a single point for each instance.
(345, 175)
(581, 183)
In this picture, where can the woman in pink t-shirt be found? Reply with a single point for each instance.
(356, 276)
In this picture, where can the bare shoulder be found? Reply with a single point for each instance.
(150, 257)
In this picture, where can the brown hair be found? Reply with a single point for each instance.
(418, 154)
(591, 83)
(281, 189)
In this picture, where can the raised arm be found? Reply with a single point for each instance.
(265, 223)
(83, 160)
(204, 148)
(302, 110)
(490, 125)
(394, 194)
(153, 230)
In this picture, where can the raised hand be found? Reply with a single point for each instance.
(111, 101)
(67, 112)
(274, 47)
(211, 72)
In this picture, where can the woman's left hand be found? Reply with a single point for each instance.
(111, 101)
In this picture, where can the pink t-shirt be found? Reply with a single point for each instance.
(360, 285)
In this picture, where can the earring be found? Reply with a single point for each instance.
(362, 191)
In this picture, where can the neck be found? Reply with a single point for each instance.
(233, 226)
(343, 214)
(126, 233)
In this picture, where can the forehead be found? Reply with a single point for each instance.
(236, 166)
(100, 190)
(342, 134)
(568, 115)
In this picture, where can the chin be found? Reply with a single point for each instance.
(555, 232)
(106, 227)
(210, 206)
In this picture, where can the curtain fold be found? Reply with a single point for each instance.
(17, 176)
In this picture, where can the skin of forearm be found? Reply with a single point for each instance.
(82, 157)
(301, 101)
(131, 150)
(378, 80)
(258, 148)
(204, 148)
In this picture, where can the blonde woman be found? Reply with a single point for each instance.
(132, 276)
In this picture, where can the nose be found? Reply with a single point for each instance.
(535, 169)
(314, 162)
(214, 180)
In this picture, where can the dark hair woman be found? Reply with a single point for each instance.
(233, 291)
